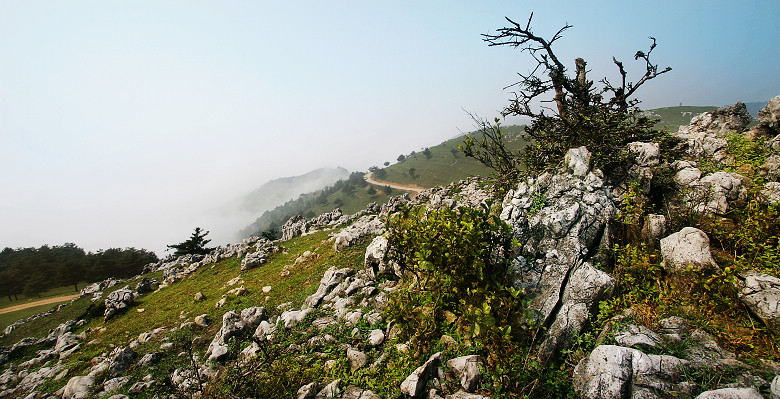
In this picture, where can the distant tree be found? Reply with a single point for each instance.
(322, 198)
(373, 168)
(72, 264)
(413, 154)
(356, 179)
(10, 283)
(34, 284)
(338, 202)
(371, 191)
(348, 189)
(195, 245)
(454, 152)
(387, 164)
(271, 234)
(427, 153)
(388, 190)
(413, 173)
(401, 158)
(380, 174)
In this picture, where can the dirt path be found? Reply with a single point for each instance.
(46, 301)
(404, 187)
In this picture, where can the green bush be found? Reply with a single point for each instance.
(457, 262)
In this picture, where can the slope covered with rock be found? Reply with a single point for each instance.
(663, 284)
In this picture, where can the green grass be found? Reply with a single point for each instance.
(171, 306)
(53, 292)
(446, 163)
(352, 203)
(7, 319)
(674, 117)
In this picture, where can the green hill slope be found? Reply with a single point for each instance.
(444, 163)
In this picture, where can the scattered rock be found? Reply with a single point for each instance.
(233, 324)
(376, 337)
(308, 391)
(329, 281)
(415, 383)
(353, 392)
(123, 360)
(367, 225)
(115, 384)
(761, 294)
(466, 368)
(146, 285)
(356, 358)
(117, 301)
(199, 296)
(79, 387)
(202, 320)
(330, 391)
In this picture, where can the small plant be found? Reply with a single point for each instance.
(537, 203)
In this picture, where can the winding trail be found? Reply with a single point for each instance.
(45, 301)
(406, 187)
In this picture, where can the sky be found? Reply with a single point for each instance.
(129, 123)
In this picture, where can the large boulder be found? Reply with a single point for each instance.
(117, 301)
(761, 294)
(466, 368)
(687, 247)
(616, 372)
(415, 383)
(714, 192)
(734, 118)
(704, 136)
(375, 261)
(329, 281)
(233, 324)
(770, 115)
(365, 226)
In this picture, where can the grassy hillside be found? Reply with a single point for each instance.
(674, 117)
(277, 191)
(350, 195)
(445, 163)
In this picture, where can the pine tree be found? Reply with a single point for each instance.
(196, 245)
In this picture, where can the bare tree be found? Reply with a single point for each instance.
(604, 118)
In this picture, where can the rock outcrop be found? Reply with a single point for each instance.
(562, 220)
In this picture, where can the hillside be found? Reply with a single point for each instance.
(438, 165)
(278, 191)
(450, 298)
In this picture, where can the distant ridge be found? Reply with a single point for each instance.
(278, 191)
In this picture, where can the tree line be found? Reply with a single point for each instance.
(31, 271)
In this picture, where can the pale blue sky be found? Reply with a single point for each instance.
(128, 123)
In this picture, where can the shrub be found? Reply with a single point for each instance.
(457, 264)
